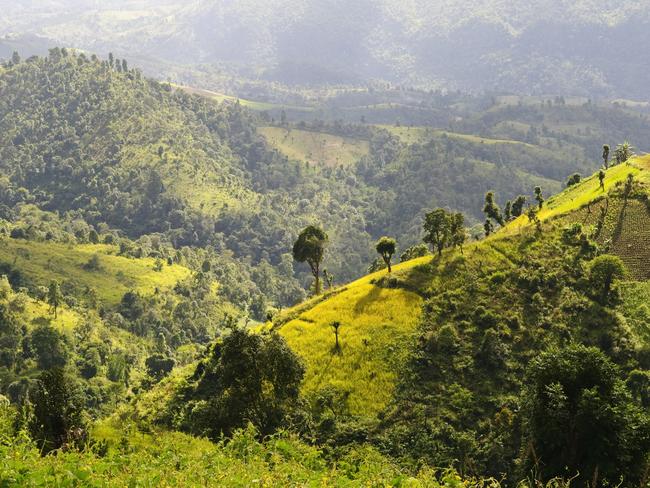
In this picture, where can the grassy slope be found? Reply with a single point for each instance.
(42, 262)
(414, 135)
(387, 317)
(375, 323)
(315, 147)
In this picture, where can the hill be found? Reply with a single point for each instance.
(443, 342)
(382, 310)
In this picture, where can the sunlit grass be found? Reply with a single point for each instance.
(315, 147)
(588, 190)
(376, 326)
(43, 262)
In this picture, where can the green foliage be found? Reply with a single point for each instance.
(414, 252)
(245, 378)
(386, 247)
(603, 273)
(491, 209)
(574, 179)
(57, 416)
(437, 229)
(580, 420)
(310, 248)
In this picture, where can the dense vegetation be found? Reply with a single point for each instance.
(146, 234)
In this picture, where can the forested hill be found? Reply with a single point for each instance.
(97, 139)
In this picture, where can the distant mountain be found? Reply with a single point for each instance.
(586, 47)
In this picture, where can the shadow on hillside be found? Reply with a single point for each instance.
(364, 302)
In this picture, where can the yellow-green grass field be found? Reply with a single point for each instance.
(315, 147)
(43, 262)
(376, 325)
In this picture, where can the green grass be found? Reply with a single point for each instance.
(42, 262)
(170, 459)
(315, 147)
(636, 308)
(413, 135)
(378, 322)
(376, 325)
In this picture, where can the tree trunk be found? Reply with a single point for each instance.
(317, 284)
(389, 268)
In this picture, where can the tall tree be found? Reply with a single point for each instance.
(606, 155)
(491, 209)
(436, 229)
(539, 196)
(386, 248)
(488, 227)
(457, 230)
(601, 179)
(57, 411)
(623, 152)
(518, 206)
(54, 297)
(603, 273)
(310, 248)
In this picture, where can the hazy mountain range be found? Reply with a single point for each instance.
(585, 47)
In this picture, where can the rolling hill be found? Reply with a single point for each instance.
(380, 313)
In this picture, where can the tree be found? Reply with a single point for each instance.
(491, 209)
(507, 211)
(601, 179)
(606, 155)
(15, 58)
(385, 246)
(436, 229)
(579, 420)
(57, 411)
(329, 279)
(623, 152)
(603, 273)
(488, 227)
(54, 297)
(574, 179)
(336, 325)
(518, 206)
(539, 197)
(48, 346)
(310, 248)
(416, 251)
(534, 219)
(457, 230)
(246, 378)
(159, 365)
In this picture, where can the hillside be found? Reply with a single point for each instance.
(382, 310)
